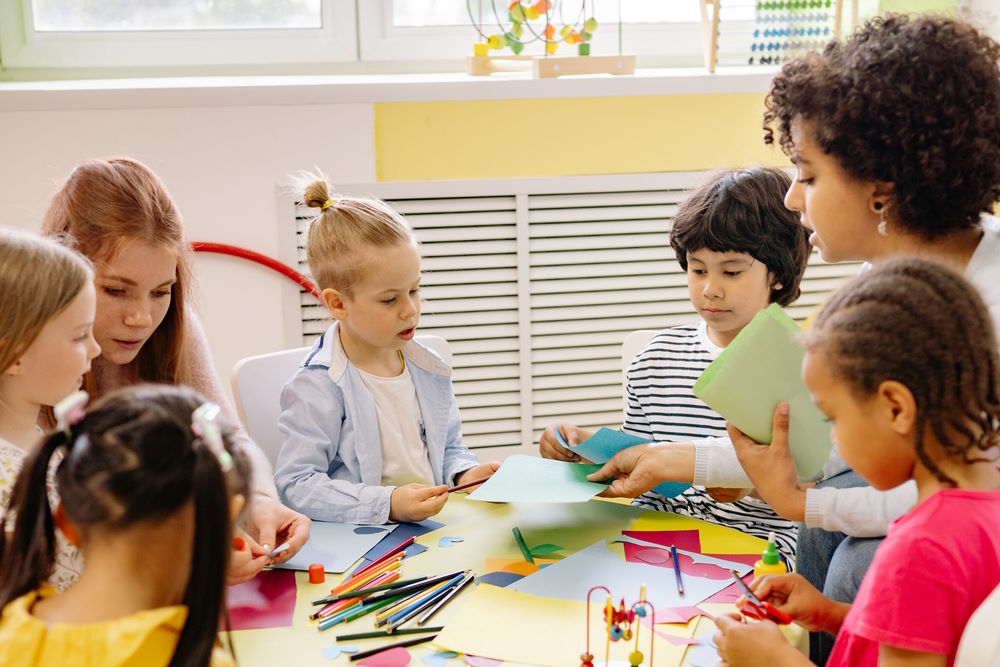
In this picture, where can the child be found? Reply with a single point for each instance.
(741, 249)
(904, 362)
(148, 483)
(371, 425)
(46, 346)
(118, 213)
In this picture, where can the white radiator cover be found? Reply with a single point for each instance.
(536, 282)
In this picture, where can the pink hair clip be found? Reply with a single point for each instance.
(69, 411)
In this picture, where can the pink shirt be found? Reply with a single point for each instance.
(936, 565)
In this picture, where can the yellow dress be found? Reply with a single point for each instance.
(147, 638)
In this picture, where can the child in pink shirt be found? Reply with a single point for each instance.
(904, 362)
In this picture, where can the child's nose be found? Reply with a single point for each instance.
(793, 198)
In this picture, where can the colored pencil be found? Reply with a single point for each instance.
(348, 600)
(378, 634)
(409, 642)
(446, 599)
(677, 570)
(368, 591)
(384, 617)
(355, 612)
(418, 586)
(466, 485)
(421, 605)
(522, 546)
(387, 555)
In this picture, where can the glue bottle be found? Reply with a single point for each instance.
(770, 562)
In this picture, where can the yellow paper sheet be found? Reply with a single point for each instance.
(515, 627)
(715, 539)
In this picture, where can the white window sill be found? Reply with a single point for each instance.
(353, 89)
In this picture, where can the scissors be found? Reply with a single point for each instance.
(754, 607)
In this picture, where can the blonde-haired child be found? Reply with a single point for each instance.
(904, 362)
(371, 424)
(47, 306)
(149, 481)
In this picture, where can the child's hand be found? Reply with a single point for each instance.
(753, 644)
(549, 447)
(416, 502)
(481, 471)
(246, 559)
(795, 596)
(273, 524)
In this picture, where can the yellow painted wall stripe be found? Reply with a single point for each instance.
(568, 136)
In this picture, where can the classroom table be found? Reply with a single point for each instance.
(485, 530)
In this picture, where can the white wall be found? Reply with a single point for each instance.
(223, 165)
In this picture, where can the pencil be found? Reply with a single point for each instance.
(677, 570)
(466, 485)
(416, 587)
(403, 644)
(356, 612)
(347, 599)
(406, 614)
(522, 546)
(384, 617)
(368, 591)
(387, 555)
(378, 634)
(447, 598)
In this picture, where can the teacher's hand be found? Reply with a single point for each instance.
(639, 468)
(772, 469)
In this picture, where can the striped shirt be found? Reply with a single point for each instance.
(663, 408)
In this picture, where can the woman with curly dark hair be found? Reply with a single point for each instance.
(895, 133)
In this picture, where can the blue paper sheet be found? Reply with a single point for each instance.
(403, 532)
(604, 444)
(336, 545)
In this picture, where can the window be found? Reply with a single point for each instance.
(304, 36)
(100, 34)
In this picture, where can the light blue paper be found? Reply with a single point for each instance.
(336, 545)
(571, 578)
(530, 479)
(604, 444)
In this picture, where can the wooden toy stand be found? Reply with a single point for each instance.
(548, 67)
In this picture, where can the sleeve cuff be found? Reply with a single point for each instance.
(814, 508)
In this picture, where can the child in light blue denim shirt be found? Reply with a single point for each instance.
(371, 424)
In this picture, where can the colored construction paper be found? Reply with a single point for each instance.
(336, 545)
(572, 577)
(679, 614)
(368, 530)
(759, 369)
(266, 601)
(691, 562)
(403, 532)
(528, 630)
(715, 539)
(331, 652)
(394, 657)
(447, 541)
(689, 540)
(704, 653)
(544, 549)
(606, 442)
(440, 658)
(501, 579)
(531, 479)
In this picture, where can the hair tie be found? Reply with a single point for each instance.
(205, 425)
(69, 411)
(330, 201)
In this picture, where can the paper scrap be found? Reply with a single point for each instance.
(531, 479)
(336, 545)
(606, 442)
(266, 601)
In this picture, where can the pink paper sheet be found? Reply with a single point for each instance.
(266, 601)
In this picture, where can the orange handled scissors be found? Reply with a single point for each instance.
(754, 607)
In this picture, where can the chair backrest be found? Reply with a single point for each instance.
(980, 643)
(257, 383)
(631, 346)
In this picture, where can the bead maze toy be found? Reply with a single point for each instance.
(523, 23)
(619, 627)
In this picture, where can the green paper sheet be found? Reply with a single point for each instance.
(531, 479)
(758, 370)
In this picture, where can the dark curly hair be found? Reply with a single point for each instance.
(908, 100)
(920, 324)
(743, 210)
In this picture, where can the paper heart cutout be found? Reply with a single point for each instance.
(368, 530)
(449, 540)
(331, 652)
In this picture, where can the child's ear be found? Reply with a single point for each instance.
(66, 526)
(334, 302)
(14, 369)
(900, 406)
(881, 192)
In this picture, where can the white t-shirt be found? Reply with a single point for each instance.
(404, 452)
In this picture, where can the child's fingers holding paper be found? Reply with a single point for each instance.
(550, 444)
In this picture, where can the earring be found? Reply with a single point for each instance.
(883, 230)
